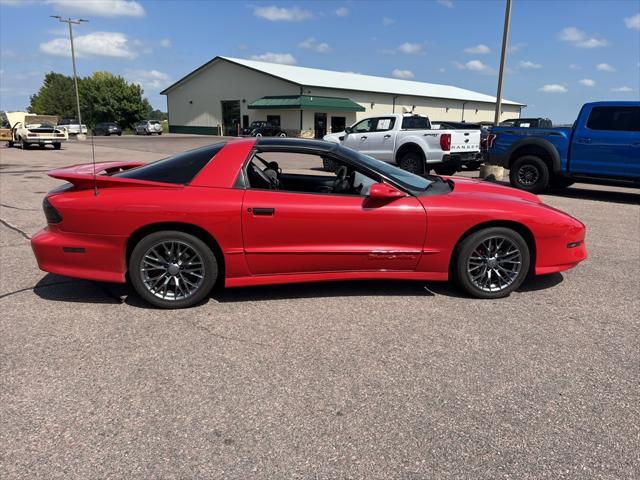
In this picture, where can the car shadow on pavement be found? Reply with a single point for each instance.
(63, 289)
(598, 195)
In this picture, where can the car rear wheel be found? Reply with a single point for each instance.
(258, 135)
(24, 144)
(492, 262)
(445, 169)
(57, 146)
(282, 135)
(172, 269)
(529, 173)
(412, 162)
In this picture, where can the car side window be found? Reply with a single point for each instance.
(306, 173)
(626, 119)
(385, 123)
(365, 125)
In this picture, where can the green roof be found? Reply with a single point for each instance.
(306, 102)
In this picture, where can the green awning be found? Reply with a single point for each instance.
(306, 102)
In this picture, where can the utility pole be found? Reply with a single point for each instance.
(70, 21)
(503, 61)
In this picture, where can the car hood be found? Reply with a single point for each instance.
(472, 187)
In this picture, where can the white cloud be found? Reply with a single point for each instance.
(587, 82)
(283, 58)
(573, 66)
(342, 12)
(446, 3)
(480, 49)
(528, 65)
(553, 88)
(633, 21)
(149, 79)
(579, 38)
(165, 42)
(96, 44)
(404, 74)
(386, 21)
(475, 66)
(622, 89)
(516, 47)
(605, 67)
(411, 48)
(312, 44)
(99, 8)
(281, 14)
(442, 70)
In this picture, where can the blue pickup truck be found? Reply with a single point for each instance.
(603, 146)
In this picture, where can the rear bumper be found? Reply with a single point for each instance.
(93, 257)
(462, 158)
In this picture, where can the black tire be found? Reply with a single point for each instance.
(412, 162)
(282, 135)
(559, 183)
(24, 145)
(159, 133)
(209, 266)
(473, 244)
(120, 134)
(57, 146)
(445, 169)
(10, 144)
(529, 173)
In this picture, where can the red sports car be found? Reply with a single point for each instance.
(250, 212)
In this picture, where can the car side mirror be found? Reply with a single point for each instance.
(384, 191)
(348, 130)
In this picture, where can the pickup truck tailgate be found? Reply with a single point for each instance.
(465, 141)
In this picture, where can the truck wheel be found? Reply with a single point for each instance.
(412, 162)
(529, 173)
(445, 169)
(561, 182)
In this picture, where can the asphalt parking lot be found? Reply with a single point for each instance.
(363, 380)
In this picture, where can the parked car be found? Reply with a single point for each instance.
(527, 123)
(260, 128)
(29, 130)
(72, 126)
(603, 146)
(484, 133)
(148, 127)
(410, 142)
(178, 226)
(107, 128)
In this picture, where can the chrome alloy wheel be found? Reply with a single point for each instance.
(528, 175)
(494, 264)
(172, 270)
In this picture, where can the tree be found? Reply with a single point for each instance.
(104, 97)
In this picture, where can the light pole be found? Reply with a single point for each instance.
(71, 21)
(503, 59)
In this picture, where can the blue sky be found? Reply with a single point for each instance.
(563, 53)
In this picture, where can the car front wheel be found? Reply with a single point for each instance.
(412, 162)
(492, 263)
(529, 173)
(172, 269)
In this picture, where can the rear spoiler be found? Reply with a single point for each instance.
(82, 176)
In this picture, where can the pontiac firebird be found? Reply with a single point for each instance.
(229, 214)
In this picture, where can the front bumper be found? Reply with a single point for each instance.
(557, 254)
(93, 257)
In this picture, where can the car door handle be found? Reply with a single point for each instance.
(387, 136)
(363, 137)
(262, 211)
(584, 140)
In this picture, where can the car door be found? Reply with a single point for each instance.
(288, 232)
(380, 140)
(359, 135)
(608, 143)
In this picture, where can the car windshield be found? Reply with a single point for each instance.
(403, 178)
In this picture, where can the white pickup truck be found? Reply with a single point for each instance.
(409, 141)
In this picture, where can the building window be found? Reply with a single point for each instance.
(273, 120)
(338, 124)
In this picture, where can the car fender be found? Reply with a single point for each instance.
(413, 141)
(537, 142)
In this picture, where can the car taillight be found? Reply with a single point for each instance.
(51, 214)
(491, 139)
(445, 141)
(60, 135)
